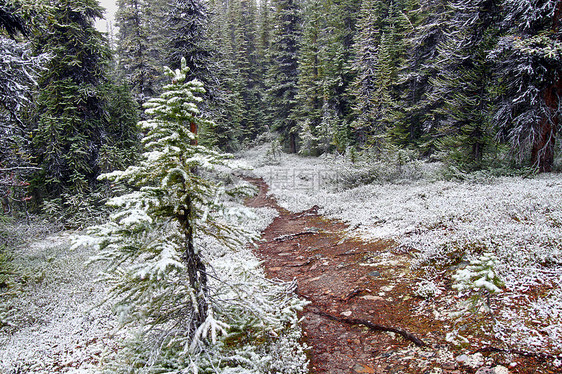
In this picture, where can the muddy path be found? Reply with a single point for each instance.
(362, 317)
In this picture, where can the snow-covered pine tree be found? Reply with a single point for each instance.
(336, 42)
(415, 118)
(243, 18)
(156, 266)
(70, 124)
(310, 97)
(186, 36)
(226, 108)
(529, 63)
(18, 74)
(461, 89)
(282, 77)
(375, 72)
(137, 49)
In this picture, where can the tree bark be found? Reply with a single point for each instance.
(542, 153)
(193, 129)
(196, 270)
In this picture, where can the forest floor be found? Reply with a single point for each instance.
(362, 316)
(55, 321)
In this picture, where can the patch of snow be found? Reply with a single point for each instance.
(472, 361)
(59, 325)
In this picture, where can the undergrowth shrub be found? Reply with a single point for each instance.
(368, 167)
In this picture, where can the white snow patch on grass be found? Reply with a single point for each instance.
(57, 323)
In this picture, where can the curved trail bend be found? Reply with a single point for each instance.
(361, 318)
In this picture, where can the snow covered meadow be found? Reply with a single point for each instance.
(445, 224)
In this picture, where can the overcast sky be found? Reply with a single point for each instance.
(110, 8)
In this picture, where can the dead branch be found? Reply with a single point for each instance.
(20, 168)
(374, 327)
(283, 238)
(309, 212)
(296, 265)
(350, 253)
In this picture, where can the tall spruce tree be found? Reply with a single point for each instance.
(310, 97)
(463, 83)
(18, 73)
(325, 72)
(138, 52)
(414, 118)
(72, 122)
(282, 77)
(247, 67)
(379, 50)
(338, 53)
(367, 88)
(226, 107)
(529, 63)
(186, 28)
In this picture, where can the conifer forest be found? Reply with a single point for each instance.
(281, 186)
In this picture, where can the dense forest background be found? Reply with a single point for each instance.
(474, 83)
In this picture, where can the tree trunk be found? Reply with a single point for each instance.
(542, 153)
(193, 129)
(292, 142)
(195, 268)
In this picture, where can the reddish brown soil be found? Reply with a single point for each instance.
(343, 277)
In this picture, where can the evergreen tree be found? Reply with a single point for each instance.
(378, 53)
(463, 85)
(282, 77)
(246, 65)
(528, 60)
(343, 16)
(72, 123)
(366, 89)
(226, 107)
(186, 28)
(310, 97)
(264, 35)
(414, 117)
(155, 262)
(137, 48)
(18, 74)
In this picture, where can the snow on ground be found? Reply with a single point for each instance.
(444, 223)
(57, 324)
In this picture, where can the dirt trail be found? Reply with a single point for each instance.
(355, 289)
